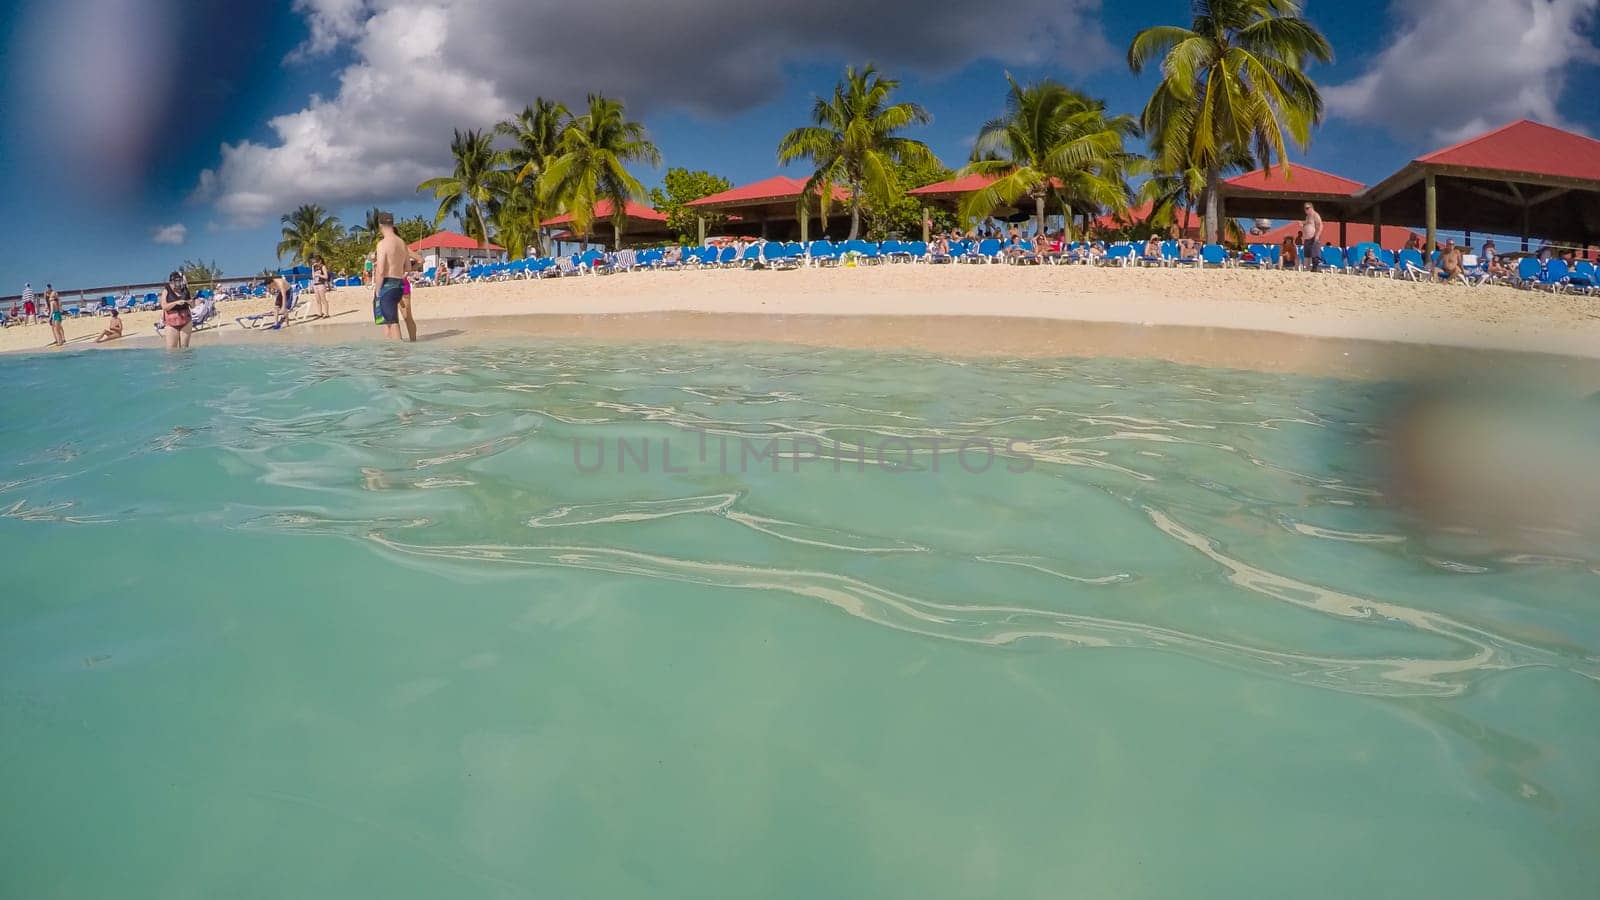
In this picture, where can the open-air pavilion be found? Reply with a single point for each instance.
(1282, 193)
(764, 204)
(1522, 179)
(639, 223)
(455, 249)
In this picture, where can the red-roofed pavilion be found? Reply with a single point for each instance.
(774, 200)
(1507, 180)
(455, 248)
(1282, 192)
(639, 221)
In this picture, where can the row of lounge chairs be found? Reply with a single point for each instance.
(1406, 264)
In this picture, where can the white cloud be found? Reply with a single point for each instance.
(170, 234)
(424, 67)
(331, 22)
(1462, 67)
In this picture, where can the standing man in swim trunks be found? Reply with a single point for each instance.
(52, 305)
(1311, 232)
(389, 277)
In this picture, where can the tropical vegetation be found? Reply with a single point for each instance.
(536, 141)
(477, 184)
(854, 141)
(1233, 82)
(1056, 142)
(308, 232)
(678, 188)
(590, 164)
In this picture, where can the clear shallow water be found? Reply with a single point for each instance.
(355, 622)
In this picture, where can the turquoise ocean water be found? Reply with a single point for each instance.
(376, 622)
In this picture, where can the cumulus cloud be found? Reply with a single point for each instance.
(423, 67)
(330, 22)
(170, 234)
(1461, 67)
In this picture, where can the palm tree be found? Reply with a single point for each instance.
(1176, 187)
(308, 232)
(1052, 140)
(589, 166)
(855, 142)
(536, 133)
(478, 183)
(1233, 81)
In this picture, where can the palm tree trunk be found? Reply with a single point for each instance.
(1038, 210)
(483, 230)
(855, 210)
(1066, 223)
(1213, 204)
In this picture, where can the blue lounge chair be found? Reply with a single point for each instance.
(1583, 277)
(1172, 255)
(268, 321)
(1409, 265)
(1555, 276)
(1333, 259)
(775, 255)
(1213, 255)
(1118, 255)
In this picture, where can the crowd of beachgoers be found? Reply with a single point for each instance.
(1461, 264)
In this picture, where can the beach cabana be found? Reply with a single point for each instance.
(765, 202)
(1282, 193)
(639, 222)
(1512, 180)
(455, 249)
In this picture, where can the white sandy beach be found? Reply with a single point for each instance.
(1284, 303)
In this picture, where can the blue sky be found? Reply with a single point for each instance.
(203, 122)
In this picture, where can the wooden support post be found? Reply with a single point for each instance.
(701, 222)
(926, 225)
(1432, 213)
(1377, 224)
(1343, 241)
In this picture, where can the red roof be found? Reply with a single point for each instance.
(964, 184)
(602, 211)
(450, 240)
(1393, 237)
(776, 188)
(1299, 179)
(1527, 147)
(1140, 214)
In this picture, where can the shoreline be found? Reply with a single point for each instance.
(1279, 321)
